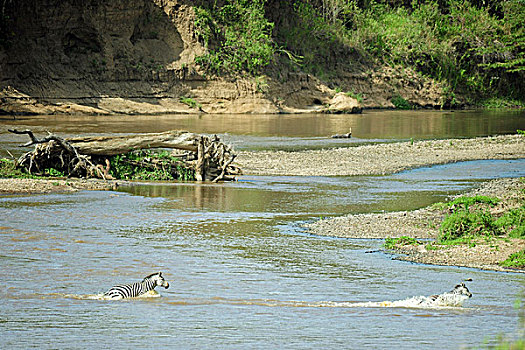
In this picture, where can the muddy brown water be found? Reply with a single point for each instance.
(243, 273)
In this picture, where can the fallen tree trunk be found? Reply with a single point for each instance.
(206, 158)
(113, 145)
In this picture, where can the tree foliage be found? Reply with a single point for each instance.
(476, 47)
(237, 35)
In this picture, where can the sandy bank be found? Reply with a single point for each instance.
(382, 158)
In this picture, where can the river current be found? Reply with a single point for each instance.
(243, 272)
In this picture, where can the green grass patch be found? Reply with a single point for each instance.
(465, 224)
(470, 220)
(190, 102)
(355, 95)
(149, 165)
(513, 222)
(515, 260)
(9, 170)
(391, 243)
(400, 103)
(466, 201)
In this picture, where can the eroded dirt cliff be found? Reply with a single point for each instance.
(138, 56)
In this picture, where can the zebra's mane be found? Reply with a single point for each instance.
(149, 276)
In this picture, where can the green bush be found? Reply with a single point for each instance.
(390, 243)
(466, 201)
(464, 224)
(237, 35)
(515, 260)
(400, 103)
(513, 221)
(131, 166)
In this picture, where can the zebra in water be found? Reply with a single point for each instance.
(136, 289)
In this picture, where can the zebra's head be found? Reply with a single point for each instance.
(158, 279)
(461, 289)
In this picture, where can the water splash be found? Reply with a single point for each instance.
(420, 302)
(101, 296)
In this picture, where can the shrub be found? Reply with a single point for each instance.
(464, 224)
(237, 35)
(515, 260)
(513, 222)
(390, 243)
(148, 165)
(400, 103)
(465, 201)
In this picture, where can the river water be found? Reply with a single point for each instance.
(243, 272)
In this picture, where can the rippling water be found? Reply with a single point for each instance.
(243, 273)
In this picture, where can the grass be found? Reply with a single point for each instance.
(9, 170)
(190, 102)
(149, 165)
(391, 243)
(400, 103)
(136, 165)
(355, 95)
(515, 260)
(470, 222)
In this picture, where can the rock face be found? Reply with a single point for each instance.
(138, 56)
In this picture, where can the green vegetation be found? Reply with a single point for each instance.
(400, 103)
(148, 165)
(8, 169)
(472, 220)
(515, 260)
(237, 34)
(355, 95)
(463, 225)
(473, 48)
(136, 165)
(190, 102)
(391, 243)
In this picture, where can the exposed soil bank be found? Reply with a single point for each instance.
(382, 158)
(138, 57)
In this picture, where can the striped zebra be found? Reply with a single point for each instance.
(136, 289)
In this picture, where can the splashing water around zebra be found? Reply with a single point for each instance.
(137, 289)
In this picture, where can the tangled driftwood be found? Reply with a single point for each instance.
(208, 157)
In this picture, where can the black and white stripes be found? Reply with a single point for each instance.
(138, 288)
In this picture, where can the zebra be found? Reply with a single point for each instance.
(136, 289)
(455, 297)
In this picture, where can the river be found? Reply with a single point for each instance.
(243, 272)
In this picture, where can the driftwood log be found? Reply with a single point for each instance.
(343, 136)
(208, 157)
